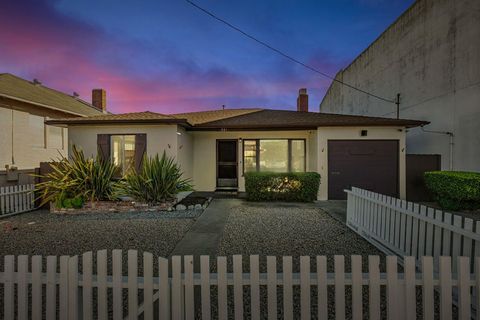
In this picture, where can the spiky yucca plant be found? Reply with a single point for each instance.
(93, 179)
(159, 180)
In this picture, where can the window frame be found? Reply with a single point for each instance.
(257, 153)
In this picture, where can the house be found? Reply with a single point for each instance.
(431, 56)
(215, 148)
(25, 140)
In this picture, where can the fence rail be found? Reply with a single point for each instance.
(90, 287)
(408, 229)
(16, 199)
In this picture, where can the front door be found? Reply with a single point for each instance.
(227, 164)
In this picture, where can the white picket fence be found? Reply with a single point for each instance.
(408, 229)
(16, 199)
(173, 288)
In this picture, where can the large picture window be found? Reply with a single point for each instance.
(122, 152)
(274, 155)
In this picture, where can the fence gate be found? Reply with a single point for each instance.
(16, 199)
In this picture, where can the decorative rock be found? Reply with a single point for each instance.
(210, 199)
(198, 206)
(181, 207)
(205, 205)
(191, 207)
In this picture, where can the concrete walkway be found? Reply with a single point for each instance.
(204, 236)
(335, 208)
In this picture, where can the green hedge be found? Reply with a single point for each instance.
(270, 186)
(455, 190)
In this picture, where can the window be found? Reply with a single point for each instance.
(250, 155)
(297, 155)
(274, 155)
(122, 152)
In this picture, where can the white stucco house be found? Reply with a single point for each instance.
(215, 148)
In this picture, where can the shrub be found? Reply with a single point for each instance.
(270, 186)
(159, 180)
(78, 176)
(454, 190)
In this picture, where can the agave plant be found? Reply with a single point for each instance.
(158, 180)
(89, 178)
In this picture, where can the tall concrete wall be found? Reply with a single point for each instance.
(431, 56)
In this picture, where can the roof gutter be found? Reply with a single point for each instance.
(118, 121)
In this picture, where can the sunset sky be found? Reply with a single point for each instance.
(167, 56)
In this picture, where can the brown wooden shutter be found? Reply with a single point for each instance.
(103, 144)
(140, 149)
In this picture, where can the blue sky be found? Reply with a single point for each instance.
(167, 56)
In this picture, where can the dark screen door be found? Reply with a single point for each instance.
(227, 164)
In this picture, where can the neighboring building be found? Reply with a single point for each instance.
(431, 56)
(25, 140)
(215, 148)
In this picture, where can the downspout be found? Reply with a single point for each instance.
(450, 144)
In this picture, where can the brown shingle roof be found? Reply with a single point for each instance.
(242, 119)
(195, 118)
(20, 89)
(133, 117)
(283, 119)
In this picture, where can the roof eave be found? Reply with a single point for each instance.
(308, 126)
(80, 121)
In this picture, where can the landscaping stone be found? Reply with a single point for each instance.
(112, 207)
(180, 207)
(54, 234)
(191, 207)
(198, 207)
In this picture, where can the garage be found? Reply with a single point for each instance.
(366, 164)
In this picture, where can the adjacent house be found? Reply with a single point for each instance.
(430, 56)
(25, 139)
(215, 148)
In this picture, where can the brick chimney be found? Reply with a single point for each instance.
(302, 100)
(99, 99)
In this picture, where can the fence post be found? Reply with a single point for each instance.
(339, 267)
(237, 287)
(255, 286)
(205, 286)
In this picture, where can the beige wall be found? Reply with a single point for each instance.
(196, 151)
(159, 137)
(33, 141)
(204, 153)
(345, 133)
(185, 152)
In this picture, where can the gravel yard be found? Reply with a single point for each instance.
(44, 233)
(286, 229)
(290, 229)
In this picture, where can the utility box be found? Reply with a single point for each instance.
(12, 173)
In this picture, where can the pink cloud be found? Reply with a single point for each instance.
(70, 55)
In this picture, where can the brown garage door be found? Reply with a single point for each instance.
(367, 164)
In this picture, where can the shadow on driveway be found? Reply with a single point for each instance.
(335, 208)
